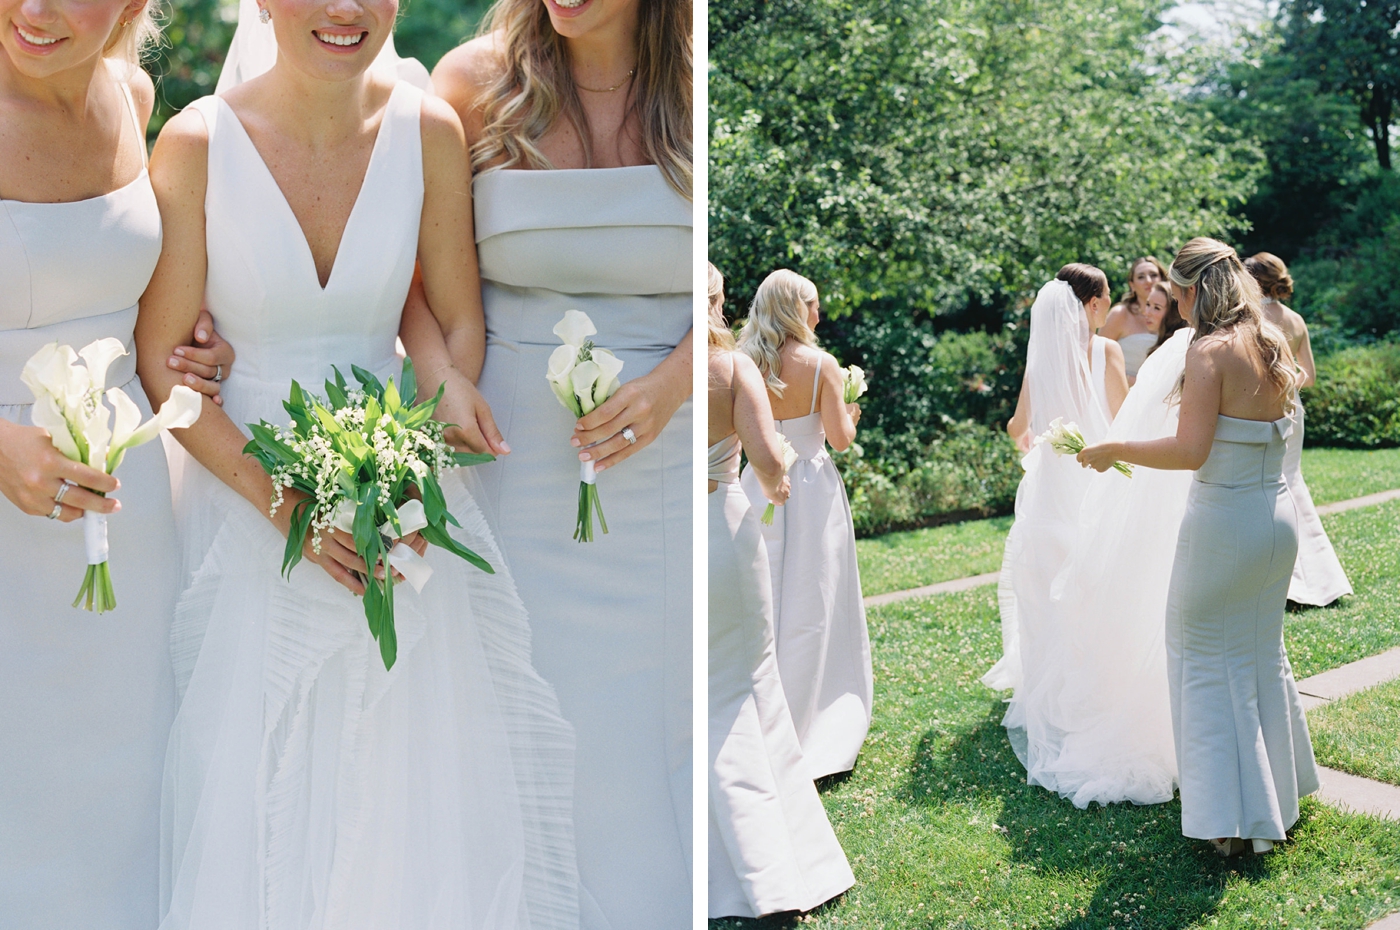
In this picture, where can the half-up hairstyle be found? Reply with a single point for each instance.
(1086, 281)
(720, 336)
(778, 313)
(536, 87)
(1228, 300)
(1272, 274)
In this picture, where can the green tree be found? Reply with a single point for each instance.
(1351, 47)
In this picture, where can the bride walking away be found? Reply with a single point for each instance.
(1242, 743)
(818, 614)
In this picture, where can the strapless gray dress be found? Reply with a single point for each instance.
(1242, 741)
(611, 618)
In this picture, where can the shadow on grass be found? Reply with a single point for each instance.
(1146, 874)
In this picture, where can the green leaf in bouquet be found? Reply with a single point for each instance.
(437, 534)
(372, 413)
(408, 382)
(467, 459)
(368, 381)
(296, 407)
(340, 380)
(434, 504)
(332, 428)
(335, 391)
(265, 439)
(391, 514)
(420, 414)
(302, 514)
(392, 401)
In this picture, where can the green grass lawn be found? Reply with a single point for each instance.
(1367, 541)
(1361, 734)
(942, 831)
(1339, 474)
(912, 559)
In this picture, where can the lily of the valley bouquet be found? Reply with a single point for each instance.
(853, 384)
(582, 377)
(1066, 439)
(369, 460)
(789, 457)
(68, 402)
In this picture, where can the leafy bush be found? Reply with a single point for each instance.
(1356, 401)
(970, 471)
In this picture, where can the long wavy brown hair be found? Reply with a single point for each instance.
(536, 87)
(1228, 299)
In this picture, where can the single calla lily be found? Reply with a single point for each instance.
(575, 328)
(99, 356)
(179, 411)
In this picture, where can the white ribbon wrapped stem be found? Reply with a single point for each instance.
(587, 473)
(414, 568)
(95, 536)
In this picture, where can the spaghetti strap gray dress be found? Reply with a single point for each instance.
(611, 619)
(1242, 741)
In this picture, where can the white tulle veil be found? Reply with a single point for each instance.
(254, 50)
(1059, 385)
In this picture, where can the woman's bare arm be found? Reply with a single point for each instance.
(753, 421)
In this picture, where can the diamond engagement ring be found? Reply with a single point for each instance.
(62, 490)
(218, 373)
(628, 435)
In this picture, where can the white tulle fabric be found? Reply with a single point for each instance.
(1318, 576)
(1059, 385)
(254, 50)
(1095, 724)
(306, 788)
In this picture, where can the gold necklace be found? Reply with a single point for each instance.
(607, 90)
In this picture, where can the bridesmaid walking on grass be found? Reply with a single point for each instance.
(818, 612)
(771, 846)
(1242, 742)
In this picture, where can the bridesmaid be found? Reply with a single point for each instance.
(771, 846)
(89, 698)
(1130, 320)
(1242, 741)
(579, 119)
(818, 613)
(1163, 304)
(1318, 576)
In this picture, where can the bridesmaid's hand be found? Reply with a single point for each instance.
(1100, 457)
(854, 410)
(784, 491)
(646, 405)
(474, 428)
(211, 358)
(32, 471)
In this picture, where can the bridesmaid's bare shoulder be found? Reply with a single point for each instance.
(464, 74)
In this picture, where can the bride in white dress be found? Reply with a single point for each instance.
(305, 786)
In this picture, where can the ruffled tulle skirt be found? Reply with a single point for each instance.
(306, 788)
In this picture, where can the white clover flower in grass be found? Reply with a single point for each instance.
(68, 402)
(853, 383)
(789, 459)
(368, 462)
(583, 376)
(1066, 439)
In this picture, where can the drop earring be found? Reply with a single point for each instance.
(264, 16)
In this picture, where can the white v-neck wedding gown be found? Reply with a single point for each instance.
(306, 788)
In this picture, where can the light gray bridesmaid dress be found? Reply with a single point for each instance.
(611, 618)
(1242, 741)
(88, 697)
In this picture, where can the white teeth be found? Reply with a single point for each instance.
(33, 39)
(570, 4)
(341, 40)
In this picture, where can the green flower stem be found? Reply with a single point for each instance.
(767, 518)
(96, 592)
(588, 502)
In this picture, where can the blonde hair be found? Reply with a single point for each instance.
(536, 87)
(1228, 301)
(128, 43)
(720, 336)
(1130, 300)
(778, 313)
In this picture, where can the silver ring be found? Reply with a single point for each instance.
(57, 509)
(628, 435)
(218, 373)
(62, 490)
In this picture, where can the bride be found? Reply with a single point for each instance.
(305, 786)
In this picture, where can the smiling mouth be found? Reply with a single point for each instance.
(340, 41)
(36, 40)
(570, 4)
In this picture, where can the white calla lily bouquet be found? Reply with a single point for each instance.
(369, 460)
(789, 459)
(68, 390)
(1066, 439)
(583, 376)
(853, 384)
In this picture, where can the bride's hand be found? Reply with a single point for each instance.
(32, 471)
(475, 428)
(645, 405)
(202, 363)
(1100, 457)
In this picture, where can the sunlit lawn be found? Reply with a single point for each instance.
(1339, 474)
(1361, 734)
